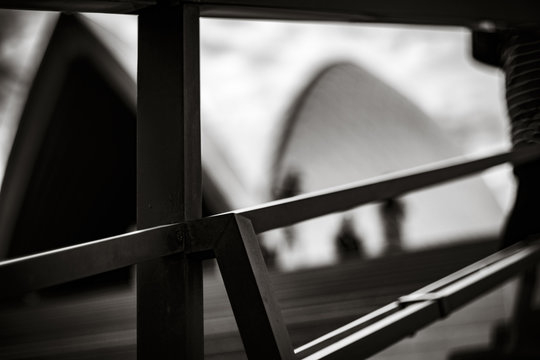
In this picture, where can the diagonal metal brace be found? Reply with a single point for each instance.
(231, 239)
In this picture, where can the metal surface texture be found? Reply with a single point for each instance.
(379, 335)
(169, 289)
(102, 6)
(468, 13)
(248, 287)
(54, 267)
(374, 332)
(473, 286)
(289, 211)
(342, 332)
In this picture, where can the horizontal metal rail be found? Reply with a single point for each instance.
(101, 6)
(468, 13)
(292, 210)
(74, 262)
(70, 263)
(422, 294)
(375, 331)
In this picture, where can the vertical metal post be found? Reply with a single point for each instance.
(169, 290)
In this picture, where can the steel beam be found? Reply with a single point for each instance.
(246, 280)
(74, 262)
(169, 290)
(374, 332)
(289, 211)
(100, 6)
(468, 13)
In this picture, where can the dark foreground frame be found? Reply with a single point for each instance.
(173, 240)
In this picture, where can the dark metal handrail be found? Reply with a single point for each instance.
(375, 331)
(286, 212)
(95, 257)
(468, 13)
(74, 262)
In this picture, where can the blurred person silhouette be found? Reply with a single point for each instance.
(348, 243)
(392, 213)
(291, 186)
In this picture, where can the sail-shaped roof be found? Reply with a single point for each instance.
(347, 125)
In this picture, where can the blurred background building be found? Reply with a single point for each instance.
(252, 72)
(348, 126)
(287, 108)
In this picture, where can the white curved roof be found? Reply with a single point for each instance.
(360, 128)
(348, 126)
